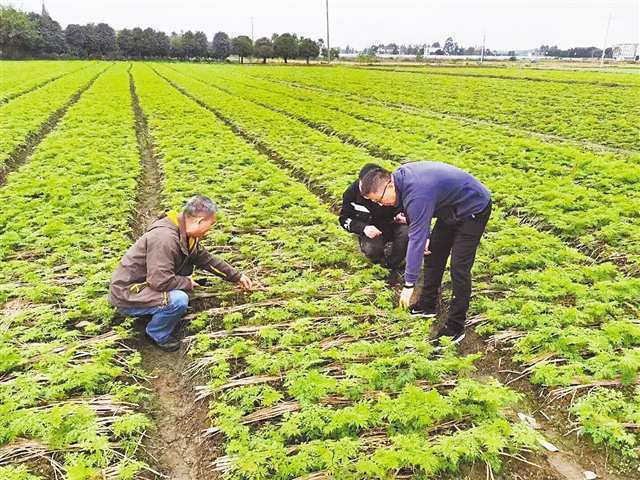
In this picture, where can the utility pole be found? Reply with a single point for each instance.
(328, 44)
(251, 29)
(606, 38)
(484, 39)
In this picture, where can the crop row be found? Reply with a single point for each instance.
(67, 403)
(598, 114)
(21, 119)
(586, 198)
(608, 78)
(20, 77)
(313, 373)
(570, 322)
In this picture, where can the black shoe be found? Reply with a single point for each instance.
(456, 334)
(419, 310)
(171, 344)
(395, 277)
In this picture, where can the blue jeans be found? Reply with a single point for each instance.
(163, 317)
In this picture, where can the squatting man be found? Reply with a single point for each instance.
(376, 226)
(154, 276)
(462, 207)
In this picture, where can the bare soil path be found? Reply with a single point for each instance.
(176, 447)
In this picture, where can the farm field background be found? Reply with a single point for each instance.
(315, 374)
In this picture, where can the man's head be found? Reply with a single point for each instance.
(199, 216)
(368, 167)
(377, 185)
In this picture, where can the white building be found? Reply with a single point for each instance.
(626, 51)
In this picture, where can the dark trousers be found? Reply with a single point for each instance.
(460, 240)
(373, 248)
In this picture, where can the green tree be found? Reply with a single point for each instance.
(200, 45)
(221, 46)
(76, 38)
(335, 52)
(125, 42)
(189, 44)
(286, 46)
(162, 45)
(263, 49)
(308, 49)
(51, 35)
(105, 39)
(242, 46)
(177, 46)
(147, 45)
(18, 34)
(450, 46)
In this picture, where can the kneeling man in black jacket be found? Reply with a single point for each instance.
(376, 226)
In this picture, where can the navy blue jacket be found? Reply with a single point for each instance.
(427, 190)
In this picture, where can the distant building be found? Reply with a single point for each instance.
(626, 51)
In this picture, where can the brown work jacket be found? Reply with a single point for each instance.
(160, 261)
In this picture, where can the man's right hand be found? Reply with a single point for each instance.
(372, 231)
(245, 283)
(194, 284)
(426, 247)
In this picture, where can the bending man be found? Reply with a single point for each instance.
(375, 226)
(462, 206)
(154, 276)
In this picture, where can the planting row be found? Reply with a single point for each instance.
(68, 406)
(21, 118)
(608, 78)
(570, 322)
(609, 116)
(314, 373)
(586, 198)
(20, 77)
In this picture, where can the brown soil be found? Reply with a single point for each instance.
(574, 456)
(175, 447)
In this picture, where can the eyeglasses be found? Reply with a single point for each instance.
(379, 201)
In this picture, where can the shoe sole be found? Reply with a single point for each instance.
(455, 341)
(424, 315)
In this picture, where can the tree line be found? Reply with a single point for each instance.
(33, 35)
(576, 52)
(450, 47)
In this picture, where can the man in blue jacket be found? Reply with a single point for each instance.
(461, 205)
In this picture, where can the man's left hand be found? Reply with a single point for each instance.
(245, 282)
(405, 297)
(400, 218)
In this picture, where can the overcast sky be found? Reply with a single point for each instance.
(517, 24)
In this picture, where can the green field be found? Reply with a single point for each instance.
(316, 374)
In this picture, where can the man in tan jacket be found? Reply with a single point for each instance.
(154, 276)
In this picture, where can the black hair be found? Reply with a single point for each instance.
(368, 168)
(374, 181)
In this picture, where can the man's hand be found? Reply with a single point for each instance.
(194, 284)
(245, 282)
(372, 231)
(426, 247)
(405, 297)
(400, 218)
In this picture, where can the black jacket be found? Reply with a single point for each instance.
(357, 212)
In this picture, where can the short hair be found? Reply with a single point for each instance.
(368, 168)
(200, 206)
(374, 181)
